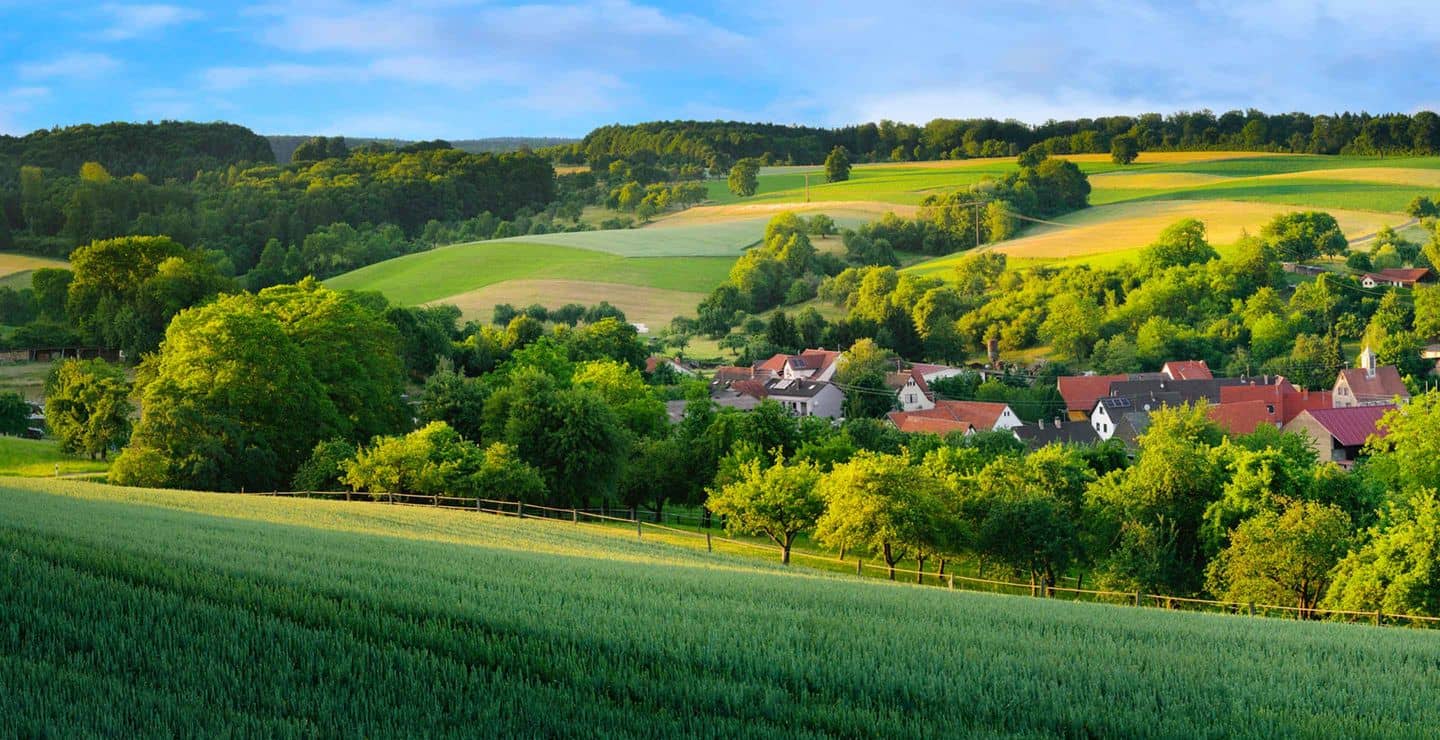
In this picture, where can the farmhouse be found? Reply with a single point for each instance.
(1371, 384)
(812, 364)
(1338, 434)
(1082, 391)
(952, 416)
(1396, 277)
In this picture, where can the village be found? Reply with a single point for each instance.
(1337, 421)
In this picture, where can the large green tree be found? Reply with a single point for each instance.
(1397, 570)
(745, 177)
(1282, 559)
(229, 403)
(837, 165)
(87, 406)
(882, 503)
(1304, 235)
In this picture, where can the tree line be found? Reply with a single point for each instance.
(719, 144)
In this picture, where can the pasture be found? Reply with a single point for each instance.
(450, 271)
(300, 617)
(652, 306)
(42, 458)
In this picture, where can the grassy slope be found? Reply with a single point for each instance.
(11, 263)
(449, 271)
(41, 458)
(205, 614)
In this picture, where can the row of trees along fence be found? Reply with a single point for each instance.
(949, 581)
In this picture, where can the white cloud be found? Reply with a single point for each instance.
(229, 78)
(134, 21)
(71, 66)
(572, 94)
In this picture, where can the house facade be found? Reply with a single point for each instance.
(963, 416)
(1370, 384)
(1339, 434)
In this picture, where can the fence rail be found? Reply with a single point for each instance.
(950, 581)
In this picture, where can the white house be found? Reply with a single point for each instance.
(912, 387)
(1107, 414)
(806, 397)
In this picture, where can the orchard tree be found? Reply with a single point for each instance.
(882, 503)
(14, 414)
(87, 406)
(1305, 235)
(779, 501)
(862, 377)
(1285, 557)
(745, 177)
(837, 165)
(1398, 568)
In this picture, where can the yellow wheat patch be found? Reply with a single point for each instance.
(1385, 175)
(652, 306)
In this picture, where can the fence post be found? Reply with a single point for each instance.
(520, 509)
(638, 533)
(950, 579)
(859, 566)
(1252, 609)
(392, 496)
(347, 495)
(575, 516)
(708, 546)
(1378, 616)
(1137, 598)
(477, 503)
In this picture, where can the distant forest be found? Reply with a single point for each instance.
(718, 144)
(284, 146)
(217, 188)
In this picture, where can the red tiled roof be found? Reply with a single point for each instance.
(912, 423)
(1082, 391)
(752, 388)
(774, 364)
(1187, 370)
(726, 373)
(1405, 274)
(1243, 417)
(1384, 385)
(1285, 398)
(979, 414)
(814, 359)
(1352, 425)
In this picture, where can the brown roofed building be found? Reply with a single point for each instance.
(1244, 417)
(1371, 384)
(1187, 370)
(1339, 434)
(1082, 391)
(962, 416)
(1397, 277)
(1280, 397)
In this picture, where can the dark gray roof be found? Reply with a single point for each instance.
(1188, 391)
(1069, 432)
(1130, 426)
(794, 388)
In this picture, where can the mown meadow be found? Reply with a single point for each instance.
(203, 614)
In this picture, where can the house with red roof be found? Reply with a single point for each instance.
(812, 364)
(1082, 391)
(1396, 277)
(1244, 417)
(1281, 398)
(1187, 370)
(1339, 434)
(912, 386)
(1371, 384)
(953, 416)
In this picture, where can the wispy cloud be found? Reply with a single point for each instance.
(79, 65)
(133, 21)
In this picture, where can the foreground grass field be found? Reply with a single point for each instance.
(206, 614)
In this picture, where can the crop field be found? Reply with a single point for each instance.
(42, 458)
(714, 239)
(449, 271)
(12, 264)
(1107, 235)
(208, 614)
(652, 306)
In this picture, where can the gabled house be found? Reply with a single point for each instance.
(1082, 391)
(798, 396)
(1106, 414)
(963, 416)
(812, 364)
(1396, 277)
(1187, 370)
(1339, 434)
(680, 366)
(1279, 395)
(1371, 384)
(912, 386)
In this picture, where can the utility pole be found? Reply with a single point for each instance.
(807, 187)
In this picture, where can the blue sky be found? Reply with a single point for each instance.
(458, 69)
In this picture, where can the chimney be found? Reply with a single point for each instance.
(1058, 423)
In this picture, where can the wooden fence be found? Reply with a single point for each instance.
(949, 581)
